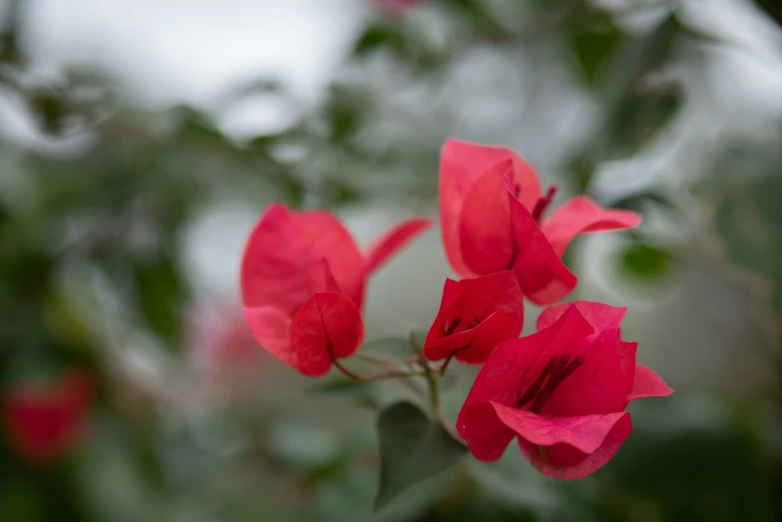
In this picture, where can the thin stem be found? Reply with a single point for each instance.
(377, 361)
(377, 377)
(413, 387)
(391, 375)
(445, 364)
(353, 375)
(433, 379)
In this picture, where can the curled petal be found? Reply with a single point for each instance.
(486, 228)
(599, 315)
(564, 448)
(327, 327)
(543, 277)
(475, 315)
(393, 240)
(284, 245)
(497, 232)
(580, 215)
(648, 383)
(474, 346)
(566, 462)
(515, 364)
(461, 164)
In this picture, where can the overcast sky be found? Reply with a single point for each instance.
(169, 52)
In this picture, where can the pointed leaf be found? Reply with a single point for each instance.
(412, 449)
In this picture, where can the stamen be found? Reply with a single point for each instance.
(533, 390)
(558, 368)
(543, 203)
(449, 328)
(575, 363)
(555, 380)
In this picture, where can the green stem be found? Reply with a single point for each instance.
(433, 379)
(396, 374)
(445, 364)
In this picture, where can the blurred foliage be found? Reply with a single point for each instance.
(91, 256)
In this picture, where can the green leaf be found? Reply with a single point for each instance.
(377, 36)
(593, 43)
(772, 8)
(633, 115)
(636, 202)
(162, 293)
(646, 261)
(412, 449)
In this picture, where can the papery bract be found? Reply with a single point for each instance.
(326, 327)
(303, 279)
(44, 422)
(475, 316)
(393, 240)
(561, 391)
(284, 245)
(492, 218)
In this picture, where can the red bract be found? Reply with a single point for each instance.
(326, 327)
(285, 244)
(492, 219)
(45, 422)
(561, 391)
(475, 316)
(303, 280)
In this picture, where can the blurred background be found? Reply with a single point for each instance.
(140, 140)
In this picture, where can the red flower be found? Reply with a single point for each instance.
(284, 244)
(475, 316)
(562, 391)
(492, 219)
(45, 422)
(303, 280)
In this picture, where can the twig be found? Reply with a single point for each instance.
(377, 377)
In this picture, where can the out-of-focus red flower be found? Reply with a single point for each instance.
(492, 213)
(396, 7)
(303, 278)
(475, 316)
(561, 391)
(221, 346)
(43, 422)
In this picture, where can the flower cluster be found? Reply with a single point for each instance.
(562, 391)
